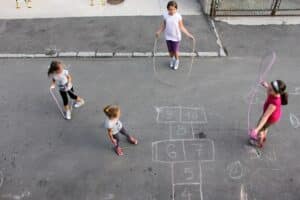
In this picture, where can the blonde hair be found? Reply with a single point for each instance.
(111, 111)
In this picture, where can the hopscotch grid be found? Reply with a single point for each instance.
(184, 153)
(200, 172)
(173, 187)
(170, 131)
(201, 109)
(203, 115)
(178, 140)
(184, 183)
(180, 115)
(183, 161)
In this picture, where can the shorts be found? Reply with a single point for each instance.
(64, 96)
(173, 46)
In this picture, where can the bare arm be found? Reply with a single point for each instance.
(271, 108)
(161, 28)
(52, 86)
(110, 135)
(265, 84)
(69, 77)
(184, 30)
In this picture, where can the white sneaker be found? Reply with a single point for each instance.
(68, 114)
(176, 65)
(172, 62)
(79, 104)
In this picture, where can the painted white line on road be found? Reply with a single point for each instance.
(253, 21)
(219, 42)
(91, 54)
(87, 54)
(67, 54)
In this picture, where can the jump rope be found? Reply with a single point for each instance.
(154, 63)
(58, 104)
(261, 77)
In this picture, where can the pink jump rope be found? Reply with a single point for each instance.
(251, 132)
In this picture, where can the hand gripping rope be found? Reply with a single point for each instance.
(193, 54)
(262, 75)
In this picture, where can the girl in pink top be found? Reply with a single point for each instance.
(277, 96)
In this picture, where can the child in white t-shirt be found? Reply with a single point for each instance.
(172, 26)
(63, 80)
(114, 126)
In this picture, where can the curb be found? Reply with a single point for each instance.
(92, 54)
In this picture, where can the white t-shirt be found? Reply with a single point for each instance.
(62, 80)
(115, 125)
(172, 30)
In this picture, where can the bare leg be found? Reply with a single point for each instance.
(176, 55)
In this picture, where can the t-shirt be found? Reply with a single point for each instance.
(276, 101)
(115, 125)
(62, 80)
(172, 30)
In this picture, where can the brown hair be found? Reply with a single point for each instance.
(111, 111)
(54, 66)
(282, 91)
(172, 4)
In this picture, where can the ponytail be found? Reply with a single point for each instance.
(111, 111)
(282, 91)
(106, 109)
(284, 98)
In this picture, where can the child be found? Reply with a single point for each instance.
(114, 127)
(63, 79)
(277, 96)
(173, 25)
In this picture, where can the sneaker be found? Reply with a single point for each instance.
(119, 151)
(176, 65)
(68, 114)
(79, 103)
(132, 140)
(172, 62)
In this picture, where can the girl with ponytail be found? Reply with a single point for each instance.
(277, 96)
(114, 126)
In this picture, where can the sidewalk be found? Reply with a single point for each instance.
(104, 34)
(82, 8)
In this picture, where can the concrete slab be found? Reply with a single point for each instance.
(103, 34)
(45, 157)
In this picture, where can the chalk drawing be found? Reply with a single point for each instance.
(296, 92)
(109, 196)
(181, 131)
(15, 196)
(179, 114)
(171, 154)
(182, 150)
(235, 170)
(243, 193)
(294, 120)
(1, 178)
(186, 173)
(187, 192)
